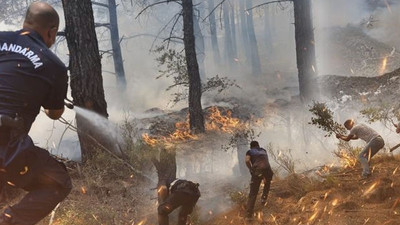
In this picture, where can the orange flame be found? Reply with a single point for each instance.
(142, 222)
(383, 67)
(217, 121)
(313, 216)
(347, 160)
(371, 188)
(83, 190)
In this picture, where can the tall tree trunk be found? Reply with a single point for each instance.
(255, 58)
(85, 67)
(267, 30)
(196, 118)
(241, 145)
(166, 170)
(213, 33)
(243, 29)
(233, 29)
(305, 49)
(229, 54)
(200, 48)
(116, 47)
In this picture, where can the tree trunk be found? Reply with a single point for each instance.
(233, 29)
(196, 118)
(166, 170)
(85, 67)
(229, 54)
(213, 33)
(241, 145)
(243, 28)
(255, 58)
(267, 30)
(305, 49)
(116, 47)
(200, 49)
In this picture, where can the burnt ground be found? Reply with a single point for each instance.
(338, 197)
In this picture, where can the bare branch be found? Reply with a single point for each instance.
(267, 3)
(212, 11)
(172, 30)
(154, 4)
(148, 35)
(106, 25)
(165, 27)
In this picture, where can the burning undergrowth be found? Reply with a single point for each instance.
(337, 196)
(218, 119)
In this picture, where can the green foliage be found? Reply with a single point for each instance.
(138, 154)
(238, 197)
(384, 113)
(323, 119)
(243, 134)
(172, 64)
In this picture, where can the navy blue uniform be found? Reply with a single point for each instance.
(182, 193)
(31, 76)
(261, 170)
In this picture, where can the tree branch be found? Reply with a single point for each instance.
(154, 4)
(212, 11)
(172, 30)
(106, 25)
(267, 3)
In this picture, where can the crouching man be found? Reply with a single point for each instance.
(180, 193)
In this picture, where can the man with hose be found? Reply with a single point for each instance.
(31, 76)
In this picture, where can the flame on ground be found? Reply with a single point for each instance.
(215, 121)
(383, 67)
(371, 188)
(346, 159)
(313, 216)
(219, 122)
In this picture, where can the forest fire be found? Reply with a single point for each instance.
(219, 122)
(215, 121)
(346, 159)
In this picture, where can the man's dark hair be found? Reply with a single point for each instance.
(254, 144)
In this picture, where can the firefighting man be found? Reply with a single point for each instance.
(31, 76)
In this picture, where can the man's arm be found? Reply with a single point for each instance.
(346, 138)
(163, 193)
(54, 114)
(248, 162)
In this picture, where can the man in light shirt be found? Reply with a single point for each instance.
(371, 137)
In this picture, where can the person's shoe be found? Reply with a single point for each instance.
(365, 176)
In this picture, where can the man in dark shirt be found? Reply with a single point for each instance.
(31, 76)
(258, 164)
(179, 193)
